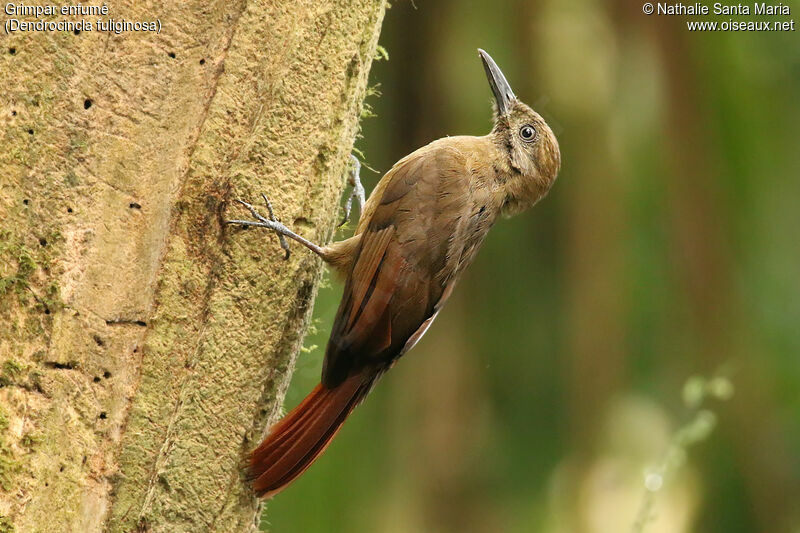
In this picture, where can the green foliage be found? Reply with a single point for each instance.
(697, 391)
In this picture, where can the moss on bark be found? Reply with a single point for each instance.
(144, 346)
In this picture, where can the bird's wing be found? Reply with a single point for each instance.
(401, 273)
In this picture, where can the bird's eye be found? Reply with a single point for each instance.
(527, 132)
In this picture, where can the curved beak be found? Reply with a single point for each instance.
(500, 87)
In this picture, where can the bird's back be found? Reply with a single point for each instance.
(420, 228)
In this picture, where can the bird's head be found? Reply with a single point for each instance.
(529, 146)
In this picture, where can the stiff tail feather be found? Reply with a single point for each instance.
(302, 435)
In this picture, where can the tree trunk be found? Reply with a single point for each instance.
(144, 346)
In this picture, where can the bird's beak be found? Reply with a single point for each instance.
(500, 87)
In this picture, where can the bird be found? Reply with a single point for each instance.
(419, 230)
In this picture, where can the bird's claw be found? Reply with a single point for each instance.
(270, 223)
(358, 190)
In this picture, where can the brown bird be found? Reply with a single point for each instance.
(419, 230)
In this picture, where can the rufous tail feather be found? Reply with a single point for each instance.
(302, 435)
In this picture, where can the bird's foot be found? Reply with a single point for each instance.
(275, 225)
(358, 190)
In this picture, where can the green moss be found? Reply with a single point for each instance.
(5, 525)
(20, 263)
(51, 300)
(366, 111)
(35, 380)
(10, 370)
(381, 53)
(19, 256)
(33, 325)
(71, 179)
(7, 464)
(29, 440)
(19, 154)
(77, 142)
(8, 467)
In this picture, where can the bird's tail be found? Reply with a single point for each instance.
(302, 435)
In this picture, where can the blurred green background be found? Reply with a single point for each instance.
(552, 382)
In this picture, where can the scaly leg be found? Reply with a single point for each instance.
(273, 224)
(357, 192)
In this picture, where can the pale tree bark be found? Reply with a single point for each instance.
(145, 346)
